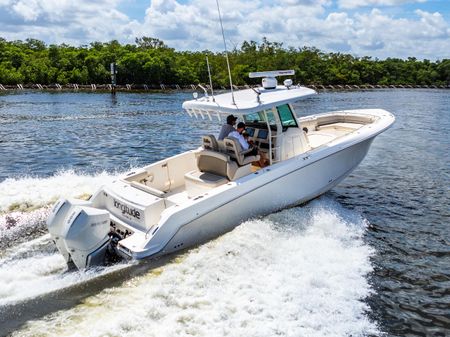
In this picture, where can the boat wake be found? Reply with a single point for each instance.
(31, 268)
(35, 268)
(28, 193)
(35, 281)
(301, 271)
(29, 262)
(25, 202)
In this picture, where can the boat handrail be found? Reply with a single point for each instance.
(269, 129)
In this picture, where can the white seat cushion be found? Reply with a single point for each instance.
(205, 178)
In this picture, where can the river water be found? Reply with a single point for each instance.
(369, 258)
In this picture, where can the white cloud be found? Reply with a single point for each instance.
(58, 21)
(27, 10)
(302, 23)
(348, 4)
(428, 37)
(433, 25)
(60, 10)
(194, 25)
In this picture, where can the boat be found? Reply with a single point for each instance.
(197, 195)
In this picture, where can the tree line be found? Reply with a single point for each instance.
(150, 61)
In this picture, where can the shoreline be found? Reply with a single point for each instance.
(193, 87)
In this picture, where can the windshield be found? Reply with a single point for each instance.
(260, 117)
(286, 116)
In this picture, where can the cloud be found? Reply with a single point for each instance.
(194, 25)
(428, 37)
(57, 21)
(301, 23)
(349, 4)
(433, 25)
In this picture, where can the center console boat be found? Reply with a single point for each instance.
(200, 194)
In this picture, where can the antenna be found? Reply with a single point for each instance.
(226, 53)
(210, 80)
(258, 93)
(204, 89)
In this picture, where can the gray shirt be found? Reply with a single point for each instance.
(225, 131)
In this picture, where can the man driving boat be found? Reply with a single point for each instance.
(248, 149)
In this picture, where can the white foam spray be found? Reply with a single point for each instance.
(299, 272)
(27, 193)
(13, 225)
(25, 202)
(35, 268)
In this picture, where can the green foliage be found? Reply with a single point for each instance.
(151, 61)
(9, 74)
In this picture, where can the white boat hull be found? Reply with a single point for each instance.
(153, 212)
(276, 192)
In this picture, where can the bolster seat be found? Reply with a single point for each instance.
(214, 169)
(234, 150)
(216, 163)
(210, 143)
(217, 168)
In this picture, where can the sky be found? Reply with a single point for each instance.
(375, 28)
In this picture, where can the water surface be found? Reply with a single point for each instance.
(371, 257)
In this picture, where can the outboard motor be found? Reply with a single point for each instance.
(80, 232)
(56, 223)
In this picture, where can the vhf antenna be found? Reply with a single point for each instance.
(210, 80)
(226, 53)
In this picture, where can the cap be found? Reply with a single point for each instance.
(231, 119)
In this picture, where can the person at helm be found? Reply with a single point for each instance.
(228, 127)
